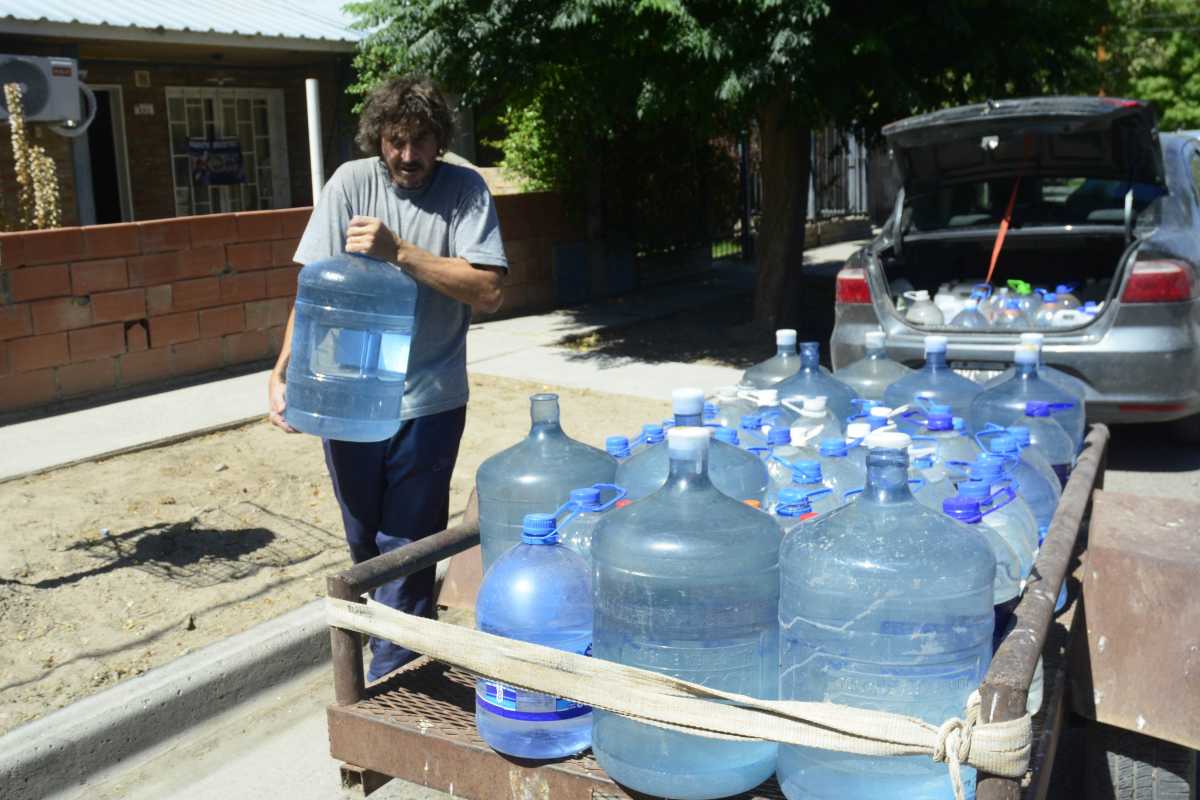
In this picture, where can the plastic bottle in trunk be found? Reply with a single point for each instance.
(782, 365)
(538, 591)
(1011, 317)
(994, 302)
(874, 372)
(687, 584)
(534, 475)
(730, 406)
(1004, 404)
(812, 380)
(884, 604)
(970, 318)
(1050, 438)
(921, 310)
(1045, 314)
(1065, 297)
(935, 381)
(1027, 299)
(737, 473)
(354, 322)
(947, 301)
(584, 510)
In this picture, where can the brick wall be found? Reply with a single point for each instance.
(104, 308)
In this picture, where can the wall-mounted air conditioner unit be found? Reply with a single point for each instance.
(51, 88)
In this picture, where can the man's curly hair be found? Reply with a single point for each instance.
(406, 102)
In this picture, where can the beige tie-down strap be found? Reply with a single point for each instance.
(1000, 748)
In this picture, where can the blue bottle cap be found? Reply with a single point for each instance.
(939, 422)
(1062, 288)
(1037, 408)
(806, 471)
(727, 435)
(751, 422)
(653, 433)
(779, 435)
(975, 489)
(1003, 444)
(833, 447)
(1050, 297)
(587, 498)
(710, 410)
(790, 494)
(795, 508)
(940, 408)
(539, 529)
(987, 467)
(1020, 434)
(962, 509)
(617, 446)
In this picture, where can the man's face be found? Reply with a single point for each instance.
(410, 153)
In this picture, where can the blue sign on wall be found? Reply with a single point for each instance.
(216, 162)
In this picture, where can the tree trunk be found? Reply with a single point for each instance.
(786, 163)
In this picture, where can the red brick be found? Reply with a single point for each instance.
(164, 234)
(248, 346)
(293, 221)
(99, 276)
(249, 256)
(12, 250)
(197, 262)
(213, 229)
(255, 226)
(15, 321)
(62, 314)
(154, 269)
(53, 246)
(35, 283)
(200, 293)
(220, 321)
(158, 300)
(241, 288)
(276, 337)
(145, 366)
(5, 359)
(86, 377)
(39, 352)
(201, 355)
(282, 282)
(28, 389)
(106, 241)
(122, 305)
(97, 342)
(267, 313)
(282, 252)
(172, 328)
(137, 338)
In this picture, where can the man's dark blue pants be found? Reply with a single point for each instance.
(391, 493)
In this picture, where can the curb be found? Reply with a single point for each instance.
(99, 732)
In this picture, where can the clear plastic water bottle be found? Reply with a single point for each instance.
(1029, 483)
(730, 406)
(618, 447)
(782, 365)
(1006, 588)
(792, 508)
(835, 460)
(1002, 514)
(988, 470)
(1035, 457)
(1065, 297)
(1004, 404)
(815, 420)
(687, 584)
(1010, 317)
(583, 512)
(533, 475)
(1028, 300)
(921, 310)
(970, 318)
(538, 591)
(771, 412)
(884, 604)
(1045, 314)
(1050, 438)
(824, 492)
(737, 473)
(353, 327)
(1063, 380)
(934, 381)
(932, 481)
(874, 372)
(814, 381)
(954, 449)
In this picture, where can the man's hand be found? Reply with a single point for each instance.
(277, 402)
(370, 237)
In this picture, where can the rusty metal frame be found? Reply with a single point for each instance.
(1004, 690)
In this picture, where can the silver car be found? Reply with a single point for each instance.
(1099, 200)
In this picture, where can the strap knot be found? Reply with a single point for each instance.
(954, 747)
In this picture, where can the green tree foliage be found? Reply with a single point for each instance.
(1151, 51)
(612, 89)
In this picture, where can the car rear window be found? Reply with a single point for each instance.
(1041, 200)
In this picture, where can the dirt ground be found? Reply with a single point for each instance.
(112, 567)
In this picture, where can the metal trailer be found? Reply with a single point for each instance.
(419, 723)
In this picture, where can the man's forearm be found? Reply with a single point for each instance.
(478, 287)
(285, 348)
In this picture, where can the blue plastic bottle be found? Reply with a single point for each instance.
(541, 592)
(584, 510)
(874, 372)
(1035, 457)
(952, 446)
(1002, 513)
(792, 508)
(824, 492)
(782, 365)
(835, 460)
(812, 380)
(1006, 588)
(737, 473)
(350, 342)
(884, 604)
(781, 456)
(686, 584)
(1050, 438)
(532, 476)
(935, 382)
(934, 484)
(988, 469)
(1030, 484)
(1005, 404)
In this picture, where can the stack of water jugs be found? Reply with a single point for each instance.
(899, 505)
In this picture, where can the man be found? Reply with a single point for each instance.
(436, 222)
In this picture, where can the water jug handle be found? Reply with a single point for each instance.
(989, 429)
(818, 493)
(903, 410)
(763, 453)
(1007, 493)
(918, 483)
(748, 394)
(571, 509)
(791, 406)
(618, 494)
(983, 288)
(779, 460)
(846, 495)
(1059, 406)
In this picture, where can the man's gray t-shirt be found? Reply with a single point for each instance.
(452, 216)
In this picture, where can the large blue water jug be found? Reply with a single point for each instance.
(1041, 495)
(583, 512)
(813, 380)
(1001, 511)
(1048, 436)
(350, 342)
(1063, 380)
(729, 403)
(935, 382)
(737, 473)
(686, 584)
(539, 591)
(534, 475)
(1005, 404)
(782, 365)
(874, 372)
(884, 604)
(988, 469)
(1034, 455)
(792, 508)
(1006, 588)
(834, 455)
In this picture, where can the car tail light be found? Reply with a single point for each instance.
(852, 286)
(1163, 408)
(1159, 281)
